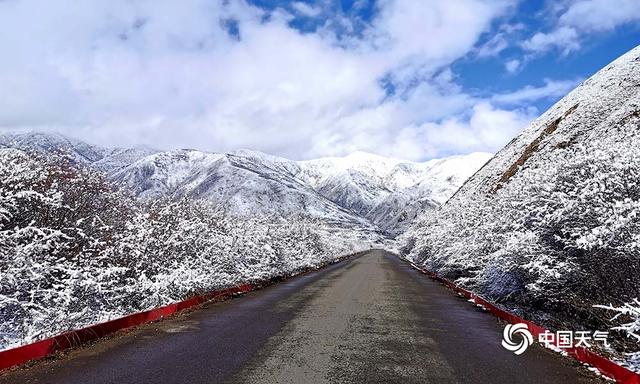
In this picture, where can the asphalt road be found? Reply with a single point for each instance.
(370, 319)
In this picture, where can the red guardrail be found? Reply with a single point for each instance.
(607, 367)
(20, 355)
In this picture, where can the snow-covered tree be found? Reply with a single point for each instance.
(74, 250)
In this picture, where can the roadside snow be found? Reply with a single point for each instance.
(75, 251)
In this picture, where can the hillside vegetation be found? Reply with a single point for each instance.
(550, 226)
(75, 250)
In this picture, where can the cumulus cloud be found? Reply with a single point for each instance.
(580, 17)
(600, 15)
(222, 75)
(486, 127)
(564, 39)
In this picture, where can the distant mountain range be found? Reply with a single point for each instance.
(360, 189)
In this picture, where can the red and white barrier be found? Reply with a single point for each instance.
(607, 367)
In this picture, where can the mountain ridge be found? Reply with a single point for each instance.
(349, 190)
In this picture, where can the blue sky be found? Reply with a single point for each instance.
(596, 51)
(414, 79)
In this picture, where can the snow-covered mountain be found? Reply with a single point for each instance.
(550, 226)
(243, 183)
(389, 192)
(105, 159)
(359, 189)
(52, 142)
(121, 158)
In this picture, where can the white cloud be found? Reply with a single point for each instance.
(481, 127)
(486, 129)
(513, 65)
(564, 39)
(439, 31)
(221, 75)
(306, 9)
(550, 90)
(601, 15)
(579, 18)
(499, 41)
(493, 46)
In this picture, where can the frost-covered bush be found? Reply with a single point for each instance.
(55, 223)
(628, 315)
(632, 312)
(74, 250)
(561, 238)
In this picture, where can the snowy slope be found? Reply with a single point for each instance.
(437, 180)
(356, 181)
(107, 160)
(245, 183)
(52, 142)
(382, 190)
(550, 225)
(161, 174)
(121, 158)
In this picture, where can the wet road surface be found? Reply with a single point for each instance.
(370, 319)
